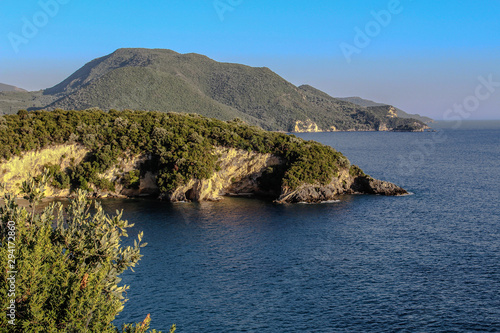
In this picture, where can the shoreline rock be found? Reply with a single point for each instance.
(240, 173)
(312, 193)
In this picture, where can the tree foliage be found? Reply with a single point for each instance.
(181, 146)
(61, 266)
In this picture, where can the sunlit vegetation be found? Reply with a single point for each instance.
(164, 80)
(181, 146)
(60, 266)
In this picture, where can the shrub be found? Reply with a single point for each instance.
(131, 179)
(59, 179)
(62, 266)
(356, 171)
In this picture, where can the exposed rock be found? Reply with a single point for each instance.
(392, 112)
(383, 128)
(368, 185)
(147, 187)
(239, 173)
(307, 126)
(20, 168)
(345, 184)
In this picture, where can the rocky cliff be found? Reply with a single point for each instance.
(383, 119)
(239, 172)
(346, 183)
(306, 126)
(30, 164)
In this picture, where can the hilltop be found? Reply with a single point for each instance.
(7, 87)
(164, 80)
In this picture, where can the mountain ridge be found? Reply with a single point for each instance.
(8, 87)
(167, 81)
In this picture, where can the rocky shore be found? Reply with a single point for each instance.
(240, 174)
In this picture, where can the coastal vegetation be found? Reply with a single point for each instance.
(180, 147)
(61, 266)
(371, 104)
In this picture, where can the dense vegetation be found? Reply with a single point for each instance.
(352, 116)
(181, 146)
(13, 101)
(401, 114)
(60, 267)
(167, 81)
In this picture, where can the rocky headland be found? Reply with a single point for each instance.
(171, 156)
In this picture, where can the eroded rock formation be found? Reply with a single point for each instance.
(239, 173)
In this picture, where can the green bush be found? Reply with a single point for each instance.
(60, 267)
(131, 179)
(58, 178)
(356, 171)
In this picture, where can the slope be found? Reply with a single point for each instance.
(400, 113)
(164, 80)
(7, 87)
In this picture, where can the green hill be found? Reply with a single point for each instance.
(164, 80)
(400, 113)
(187, 156)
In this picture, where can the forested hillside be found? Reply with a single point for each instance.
(179, 147)
(164, 80)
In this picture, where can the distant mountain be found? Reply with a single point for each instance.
(7, 87)
(164, 80)
(400, 113)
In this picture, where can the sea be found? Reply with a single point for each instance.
(426, 262)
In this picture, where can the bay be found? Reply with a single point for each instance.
(428, 262)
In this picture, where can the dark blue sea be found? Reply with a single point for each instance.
(427, 262)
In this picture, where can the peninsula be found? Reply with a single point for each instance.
(172, 156)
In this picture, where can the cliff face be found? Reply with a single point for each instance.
(239, 173)
(307, 126)
(147, 184)
(382, 118)
(30, 164)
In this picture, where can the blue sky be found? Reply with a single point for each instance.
(422, 56)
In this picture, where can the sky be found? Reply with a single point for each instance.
(436, 58)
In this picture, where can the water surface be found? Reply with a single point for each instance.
(429, 262)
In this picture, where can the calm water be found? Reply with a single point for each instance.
(429, 262)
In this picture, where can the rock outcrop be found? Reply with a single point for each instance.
(307, 126)
(345, 184)
(239, 174)
(30, 164)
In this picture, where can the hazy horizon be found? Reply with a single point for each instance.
(423, 57)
